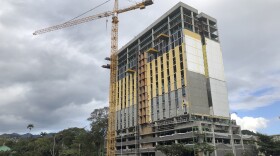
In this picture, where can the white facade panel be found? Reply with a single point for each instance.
(215, 60)
(194, 55)
(219, 98)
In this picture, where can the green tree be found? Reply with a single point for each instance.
(42, 146)
(68, 142)
(252, 151)
(174, 150)
(247, 132)
(204, 148)
(267, 146)
(43, 134)
(69, 152)
(229, 154)
(30, 127)
(5, 153)
(99, 124)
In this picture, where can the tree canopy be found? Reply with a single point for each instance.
(174, 150)
(68, 142)
(267, 145)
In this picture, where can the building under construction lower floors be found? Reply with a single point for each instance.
(189, 130)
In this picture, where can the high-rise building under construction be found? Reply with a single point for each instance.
(171, 88)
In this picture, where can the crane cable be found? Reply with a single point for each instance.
(89, 10)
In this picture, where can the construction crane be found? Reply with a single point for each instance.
(111, 133)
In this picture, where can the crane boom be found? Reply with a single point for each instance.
(93, 17)
(73, 22)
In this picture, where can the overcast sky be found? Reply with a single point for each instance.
(54, 80)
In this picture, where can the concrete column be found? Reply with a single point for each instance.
(193, 22)
(208, 27)
(218, 32)
(182, 17)
(200, 138)
(169, 33)
(213, 138)
(241, 140)
(231, 139)
(153, 44)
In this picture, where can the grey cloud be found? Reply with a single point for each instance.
(61, 72)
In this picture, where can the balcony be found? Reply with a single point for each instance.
(162, 36)
(130, 71)
(152, 51)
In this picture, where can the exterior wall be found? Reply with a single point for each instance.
(216, 79)
(194, 54)
(196, 80)
(197, 94)
(178, 87)
(164, 110)
(215, 60)
(219, 98)
(126, 102)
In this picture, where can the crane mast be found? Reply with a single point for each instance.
(111, 132)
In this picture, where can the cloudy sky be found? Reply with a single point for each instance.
(55, 80)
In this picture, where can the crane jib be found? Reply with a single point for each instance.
(94, 17)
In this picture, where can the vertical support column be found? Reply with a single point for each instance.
(200, 138)
(153, 38)
(193, 22)
(231, 139)
(137, 136)
(144, 108)
(169, 34)
(241, 138)
(208, 28)
(182, 17)
(218, 32)
(213, 137)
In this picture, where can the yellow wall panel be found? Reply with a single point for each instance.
(126, 91)
(149, 80)
(171, 71)
(159, 76)
(192, 34)
(165, 73)
(154, 78)
(205, 61)
(135, 89)
(123, 91)
(184, 62)
(120, 94)
(117, 93)
(178, 73)
(130, 89)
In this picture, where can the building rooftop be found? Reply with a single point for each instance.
(180, 4)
